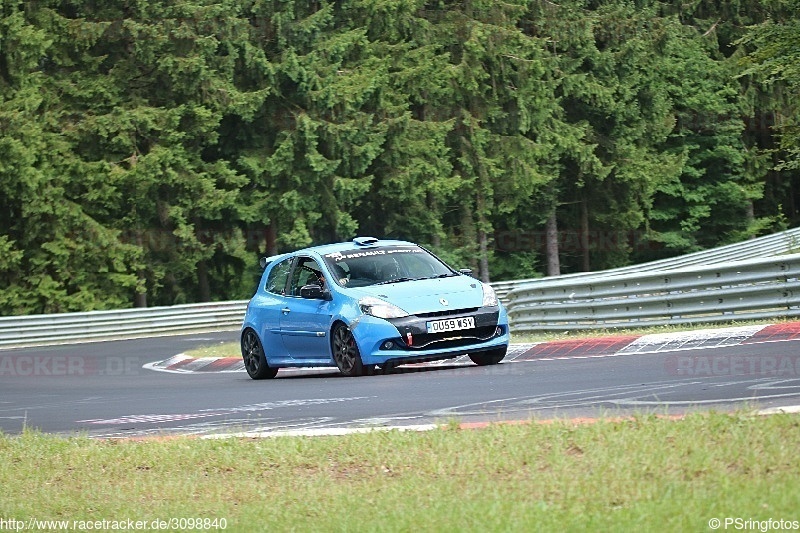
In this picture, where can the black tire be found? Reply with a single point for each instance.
(490, 357)
(255, 361)
(346, 354)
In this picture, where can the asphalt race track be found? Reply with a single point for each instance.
(138, 388)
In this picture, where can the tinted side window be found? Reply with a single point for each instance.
(276, 281)
(306, 272)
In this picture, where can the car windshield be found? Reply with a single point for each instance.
(384, 264)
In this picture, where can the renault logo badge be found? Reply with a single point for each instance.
(443, 301)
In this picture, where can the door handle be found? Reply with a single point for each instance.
(285, 310)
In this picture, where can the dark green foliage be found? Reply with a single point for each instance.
(150, 151)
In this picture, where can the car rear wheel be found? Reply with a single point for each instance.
(255, 361)
(490, 357)
(346, 354)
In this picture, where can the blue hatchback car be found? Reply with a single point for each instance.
(368, 303)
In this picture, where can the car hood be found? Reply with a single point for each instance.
(426, 295)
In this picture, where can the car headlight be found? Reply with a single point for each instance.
(489, 296)
(380, 308)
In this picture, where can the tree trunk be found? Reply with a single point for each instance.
(483, 239)
(140, 298)
(272, 239)
(483, 246)
(470, 236)
(436, 239)
(585, 235)
(750, 215)
(203, 284)
(551, 235)
(202, 281)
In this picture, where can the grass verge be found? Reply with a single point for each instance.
(644, 473)
(220, 349)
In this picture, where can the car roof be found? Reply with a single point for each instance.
(359, 243)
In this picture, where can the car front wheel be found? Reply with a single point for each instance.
(346, 354)
(255, 361)
(490, 357)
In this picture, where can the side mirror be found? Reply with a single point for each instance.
(314, 292)
(466, 271)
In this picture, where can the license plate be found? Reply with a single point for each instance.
(451, 324)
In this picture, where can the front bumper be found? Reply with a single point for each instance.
(406, 340)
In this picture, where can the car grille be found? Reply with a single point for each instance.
(448, 312)
(450, 339)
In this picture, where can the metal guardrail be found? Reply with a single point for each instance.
(126, 323)
(781, 243)
(670, 291)
(742, 290)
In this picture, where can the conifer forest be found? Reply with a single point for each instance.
(152, 150)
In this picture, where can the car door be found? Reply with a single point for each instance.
(305, 323)
(267, 305)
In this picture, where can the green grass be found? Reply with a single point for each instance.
(645, 473)
(231, 349)
(220, 349)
